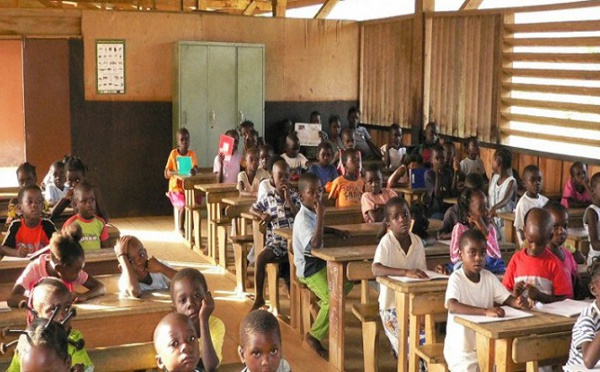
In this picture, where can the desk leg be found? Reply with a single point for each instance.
(485, 353)
(273, 284)
(337, 315)
(504, 362)
(221, 239)
(402, 315)
(414, 335)
(509, 233)
(189, 224)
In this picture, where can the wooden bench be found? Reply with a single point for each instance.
(424, 307)
(548, 348)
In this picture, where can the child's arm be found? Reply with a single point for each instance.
(17, 295)
(95, 289)
(380, 269)
(104, 238)
(592, 221)
(264, 217)
(128, 281)
(521, 237)
(396, 176)
(288, 202)
(12, 252)
(219, 163)
(591, 352)
(317, 239)
(386, 156)
(61, 205)
(537, 295)
(505, 199)
(456, 307)
(209, 357)
(155, 266)
(518, 302)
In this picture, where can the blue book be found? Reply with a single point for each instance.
(417, 178)
(184, 165)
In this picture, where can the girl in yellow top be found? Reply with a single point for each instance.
(347, 189)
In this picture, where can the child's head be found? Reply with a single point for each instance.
(265, 153)
(472, 146)
(373, 179)
(438, 158)
(473, 251)
(281, 175)
(286, 126)
(315, 117)
(137, 256)
(26, 174)
(502, 160)
(57, 170)
(251, 139)
(245, 128)
(560, 227)
(176, 344)
(397, 216)
(48, 295)
(595, 188)
(75, 170)
(324, 154)
(188, 290)
(260, 338)
(252, 159)
(292, 145)
(31, 201)
(432, 133)
(335, 125)
(353, 117)
(578, 172)
(351, 161)
(474, 181)
(183, 140)
(348, 139)
(538, 230)
(449, 152)
(85, 200)
(533, 180)
(67, 254)
(236, 137)
(44, 347)
(594, 273)
(309, 189)
(395, 135)
(472, 205)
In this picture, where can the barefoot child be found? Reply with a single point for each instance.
(176, 344)
(591, 219)
(472, 290)
(191, 297)
(248, 180)
(347, 189)
(260, 343)
(373, 201)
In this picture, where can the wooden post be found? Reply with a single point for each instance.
(470, 4)
(250, 8)
(501, 91)
(327, 7)
(279, 7)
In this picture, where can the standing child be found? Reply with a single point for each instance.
(65, 261)
(473, 214)
(176, 344)
(312, 271)
(260, 343)
(531, 199)
(95, 233)
(26, 175)
(138, 272)
(373, 201)
(472, 290)
(348, 188)
(472, 163)
(227, 167)
(56, 188)
(502, 188)
(276, 209)
(249, 179)
(534, 272)
(577, 190)
(50, 295)
(297, 162)
(191, 298)
(44, 344)
(438, 184)
(323, 168)
(31, 232)
(591, 219)
(393, 151)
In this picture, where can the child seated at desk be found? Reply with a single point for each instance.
(393, 152)
(138, 272)
(534, 271)
(334, 139)
(65, 261)
(260, 343)
(249, 180)
(531, 199)
(176, 344)
(591, 219)
(438, 184)
(297, 162)
(348, 188)
(56, 188)
(423, 153)
(31, 232)
(472, 181)
(227, 167)
(26, 175)
(265, 154)
(312, 271)
(323, 168)
(191, 297)
(472, 290)
(577, 190)
(276, 209)
(44, 344)
(95, 233)
(51, 299)
(373, 201)
(472, 163)
(349, 144)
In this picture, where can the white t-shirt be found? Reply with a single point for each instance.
(160, 282)
(53, 194)
(591, 209)
(396, 155)
(468, 166)
(460, 346)
(294, 163)
(260, 175)
(390, 253)
(264, 187)
(524, 205)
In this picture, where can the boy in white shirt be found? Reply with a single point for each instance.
(532, 176)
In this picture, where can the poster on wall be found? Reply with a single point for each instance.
(110, 66)
(308, 134)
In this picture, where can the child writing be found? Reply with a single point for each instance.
(399, 252)
(260, 343)
(248, 180)
(472, 290)
(323, 168)
(95, 233)
(312, 271)
(50, 295)
(56, 189)
(531, 199)
(438, 184)
(44, 344)
(176, 344)
(297, 162)
(393, 151)
(64, 261)
(577, 190)
(191, 298)
(472, 181)
(591, 218)
(348, 188)
(26, 175)
(472, 163)
(502, 188)
(473, 214)
(276, 209)
(31, 232)
(138, 272)
(534, 271)
(373, 201)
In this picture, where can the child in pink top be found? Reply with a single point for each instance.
(577, 191)
(559, 236)
(373, 201)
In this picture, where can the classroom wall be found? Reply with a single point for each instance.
(12, 140)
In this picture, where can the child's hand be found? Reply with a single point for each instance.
(493, 212)
(534, 293)
(441, 269)
(122, 245)
(419, 274)
(22, 250)
(342, 234)
(221, 158)
(456, 165)
(319, 208)
(478, 222)
(154, 266)
(495, 312)
(519, 288)
(79, 298)
(207, 307)
(522, 303)
(77, 368)
(287, 196)
(265, 218)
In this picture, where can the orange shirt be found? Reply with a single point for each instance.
(176, 185)
(347, 193)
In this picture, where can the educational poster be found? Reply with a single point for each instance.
(308, 134)
(110, 66)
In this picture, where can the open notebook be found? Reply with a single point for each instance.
(577, 368)
(431, 274)
(567, 308)
(509, 314)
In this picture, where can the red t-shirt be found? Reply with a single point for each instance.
(33, 238)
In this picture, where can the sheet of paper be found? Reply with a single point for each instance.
(578, 368)
(567, 308)
(431, 274)
(308, 134)
(509, 314)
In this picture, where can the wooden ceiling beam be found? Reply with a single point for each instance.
(326, 8)
(470, 4)
(279, 7)
(250, 8)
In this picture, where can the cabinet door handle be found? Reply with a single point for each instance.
(213, 119)
(242, 118)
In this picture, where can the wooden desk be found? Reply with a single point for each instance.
(235, 207)
(510, 233)
(579, 239)
(494, 340)
(403, 293)
(188, 183)
(410, 194)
